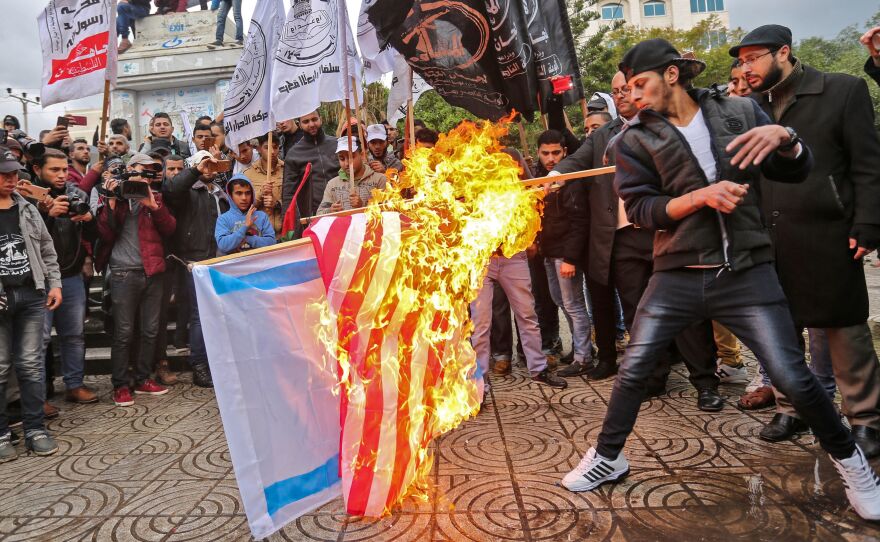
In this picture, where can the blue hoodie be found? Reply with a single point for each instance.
(230, 230)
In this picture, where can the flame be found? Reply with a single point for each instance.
(467, 204)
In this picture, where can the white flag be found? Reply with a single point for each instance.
(309, 60)
(78, 38)
(247, 108)
(400, 85)
(377, 61)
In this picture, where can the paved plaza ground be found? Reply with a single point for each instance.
(160, 471)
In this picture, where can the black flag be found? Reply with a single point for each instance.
(550, 35)
(475, 53)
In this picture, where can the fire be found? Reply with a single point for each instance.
(466, 204)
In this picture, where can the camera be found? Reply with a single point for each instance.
(77, 206)
(32, 147)
(128, 189)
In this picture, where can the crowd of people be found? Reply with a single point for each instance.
(742, 212)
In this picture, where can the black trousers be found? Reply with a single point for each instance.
(751, 304)
(631, 268)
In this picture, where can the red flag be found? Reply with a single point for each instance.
(289, 223)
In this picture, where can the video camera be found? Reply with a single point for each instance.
(32, 147)
(128, 189)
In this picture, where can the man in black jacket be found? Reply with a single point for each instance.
(316, 148)
(72, 227)
(197, 201)
(620, 258)
(677, 174)
(561, 241)
(823, 227)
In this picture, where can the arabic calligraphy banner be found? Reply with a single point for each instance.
(550, 35)
(309, 58)
(476, 53)
(78, 38)
(247, 107)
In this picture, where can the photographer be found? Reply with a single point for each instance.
(131, 224)
(71, 225)
(199, 201)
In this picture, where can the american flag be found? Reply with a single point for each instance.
(388, 334)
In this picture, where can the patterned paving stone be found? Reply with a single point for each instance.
(161, 471)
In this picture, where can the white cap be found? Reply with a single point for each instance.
(197, 158)
(376, 131)
(342, 144)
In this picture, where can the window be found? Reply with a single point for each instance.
(713, 39)
(655, 9)
(611, 12)
(702, 6)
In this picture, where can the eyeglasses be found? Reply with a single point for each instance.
(751, 61)
(622, 92)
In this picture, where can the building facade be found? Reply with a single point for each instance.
(678, 14)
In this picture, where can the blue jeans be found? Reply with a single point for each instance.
(225, 5)
(513, 276)
(568, 293)
(126, 15)
(752, 306)
(21, 347)
(69, 319)
(198, 355)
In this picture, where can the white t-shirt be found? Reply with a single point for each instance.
(697, 135)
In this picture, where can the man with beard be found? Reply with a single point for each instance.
(824, 227)
(319, 149)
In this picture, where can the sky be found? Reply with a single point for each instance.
(22, 71)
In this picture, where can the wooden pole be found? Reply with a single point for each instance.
(529, 183)
(541, 110)
(261, 250)
(105, 110)
(356, 108)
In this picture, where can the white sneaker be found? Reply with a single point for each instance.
(757, 382)
(732, 375)
(861, 483)
(594, 470)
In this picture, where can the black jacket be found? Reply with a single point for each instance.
(321, 152)
(811, 223)
(655, 164)
(872, 70)
(603, 199)
(196, 211)
(72, 240)
(565, 223)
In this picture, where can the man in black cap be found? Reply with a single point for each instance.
(684, 169)
(10, 123)
(823, 227)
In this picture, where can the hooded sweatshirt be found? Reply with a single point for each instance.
(231, 233)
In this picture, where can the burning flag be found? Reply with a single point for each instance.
(399, 279)
(344, 392)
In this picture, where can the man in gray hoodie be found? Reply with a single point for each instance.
(30, 284)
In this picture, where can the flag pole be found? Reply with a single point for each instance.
(357, 107)
(268, 166)
(343, 37)
(410, 112)
(541, 111)
(522, 138)
(105, 109)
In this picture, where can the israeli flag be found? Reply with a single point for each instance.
(279, 412)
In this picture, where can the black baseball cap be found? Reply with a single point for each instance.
(8, 161)
(770, 35)
(656, 53)
(161, 145)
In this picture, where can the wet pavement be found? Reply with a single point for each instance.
(160, 471)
